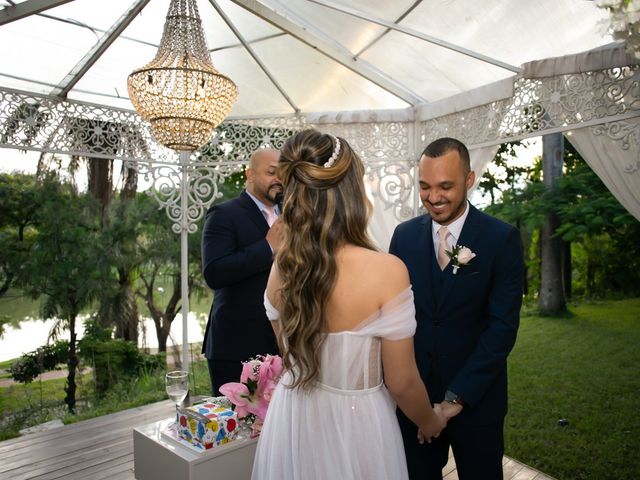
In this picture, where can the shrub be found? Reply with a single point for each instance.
(43, 359)
(113, 359)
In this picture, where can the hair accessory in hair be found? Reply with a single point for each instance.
(334, 156)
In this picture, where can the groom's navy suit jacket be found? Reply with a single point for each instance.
(466, 322)
(236, 260)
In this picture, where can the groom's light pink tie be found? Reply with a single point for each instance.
(270, 215)
(443, 258)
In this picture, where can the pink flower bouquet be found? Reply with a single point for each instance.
(252, 395)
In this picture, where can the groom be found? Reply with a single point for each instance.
(467, 310)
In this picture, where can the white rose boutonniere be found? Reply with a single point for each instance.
(460, 256)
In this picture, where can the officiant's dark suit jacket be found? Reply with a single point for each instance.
(236, 260)
(466, 322)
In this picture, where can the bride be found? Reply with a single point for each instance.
(344, 317)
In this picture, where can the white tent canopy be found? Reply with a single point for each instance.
(387, 76)
(395, 74)
(322, 58)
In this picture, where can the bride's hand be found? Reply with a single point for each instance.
(422, 437)
(434, 430)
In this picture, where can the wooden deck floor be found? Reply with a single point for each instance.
(102, 448)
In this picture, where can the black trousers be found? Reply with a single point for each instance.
(477, 450)
(223, 371)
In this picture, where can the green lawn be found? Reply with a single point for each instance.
(4, 369)
(585, 369)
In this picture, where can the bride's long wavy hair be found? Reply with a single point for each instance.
(324, 208)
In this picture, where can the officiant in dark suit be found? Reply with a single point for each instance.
(467, 309)
(239, 239)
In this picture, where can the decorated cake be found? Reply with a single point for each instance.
(208, 424)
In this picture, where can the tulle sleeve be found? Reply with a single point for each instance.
(396, 320)
(272, 313)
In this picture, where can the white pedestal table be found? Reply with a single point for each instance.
(158, 458)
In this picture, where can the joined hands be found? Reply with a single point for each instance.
(444, 411)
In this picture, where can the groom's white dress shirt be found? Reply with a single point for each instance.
(455, 229)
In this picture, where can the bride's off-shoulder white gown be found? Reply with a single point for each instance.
(344, 427)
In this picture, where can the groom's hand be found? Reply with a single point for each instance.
(449, 410)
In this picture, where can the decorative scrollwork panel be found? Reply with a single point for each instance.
(540, 104)
(392, 184)
(51, 124)
(387, 152)
(202, 191)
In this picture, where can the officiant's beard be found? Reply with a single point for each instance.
(273, 191)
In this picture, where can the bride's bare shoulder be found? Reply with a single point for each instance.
(394, 268)
(386, 277)
(380, 265)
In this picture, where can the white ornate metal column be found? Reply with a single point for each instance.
(184, 255)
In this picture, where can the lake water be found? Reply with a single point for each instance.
(34, 333)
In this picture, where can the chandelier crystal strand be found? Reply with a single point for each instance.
(179, 92)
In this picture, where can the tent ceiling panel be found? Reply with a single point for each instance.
(105, 77)
(256, 93)
(90, 12)
(306, 47)
(327, 86)
(251, 27)
(426, 68)
(18, 11)
(350, 32)
(108, 76)
(42, 50)
(148, 26)
(516, 31)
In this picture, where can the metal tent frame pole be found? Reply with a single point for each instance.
(184, 256)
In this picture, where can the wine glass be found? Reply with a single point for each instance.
(177, 384)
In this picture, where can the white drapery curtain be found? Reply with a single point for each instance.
(480, 160)
(383, 217)
(612, 150)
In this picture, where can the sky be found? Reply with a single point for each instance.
(16, 160)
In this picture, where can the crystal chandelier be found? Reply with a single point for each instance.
(179, 92)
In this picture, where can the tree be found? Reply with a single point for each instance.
(118, 305)
(504, 182)
(18, 206)
(119, 233)
(505, 175)
(161, 252)
(605, 238)
(592, 218)
(64, 265)
(551, 300)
